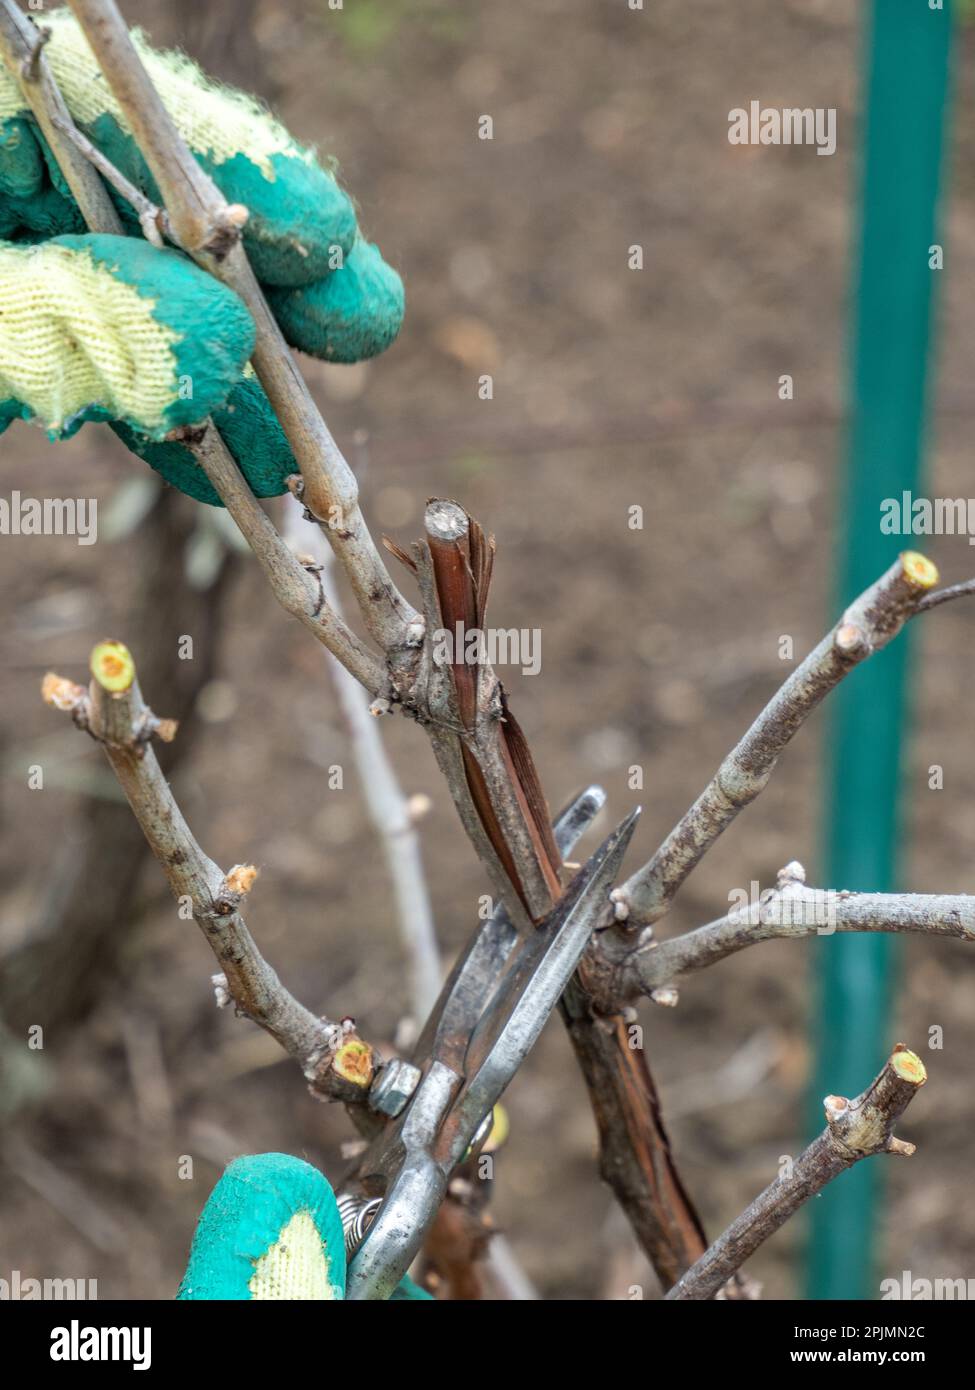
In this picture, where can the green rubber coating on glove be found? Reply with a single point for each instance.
(35, 200)
(297, 219)
(301, 223)
(298, 212)
(46, 213)
(351, 314)
(104, 327)
(251, 432)
(21, 164)
(244, 1216)
(216, 331)
(10, 411)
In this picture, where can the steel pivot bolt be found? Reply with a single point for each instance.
(392, 1088)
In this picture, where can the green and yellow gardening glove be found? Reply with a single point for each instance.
(271, 1229)
(109, 328)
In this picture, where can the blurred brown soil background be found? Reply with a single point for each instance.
(612, 388)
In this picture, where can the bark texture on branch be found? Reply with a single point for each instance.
(393, 814)
(855, 1129)
(297, 590)
(200, 221)
(464, 707)
(869, 623)
(337, 1063)
(790, 912)
(81, 164)
(486, 762)
(635, 1157)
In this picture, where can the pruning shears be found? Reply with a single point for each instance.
(489, 1015)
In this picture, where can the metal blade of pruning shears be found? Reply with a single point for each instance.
(484, 1027)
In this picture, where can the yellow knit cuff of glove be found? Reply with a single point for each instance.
(73, 334)
(211, 118)
(294, 1267)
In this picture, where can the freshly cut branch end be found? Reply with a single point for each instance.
(355, 1062)
(237, 883)
(908, 1065)
(864, 1126)
(337, 1063)
(112, 666)
(868, 624)
(445, 520)
(918, 570)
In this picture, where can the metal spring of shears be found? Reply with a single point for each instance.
(356, 1215)
(357, 1212)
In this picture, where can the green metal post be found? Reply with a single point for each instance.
(905, 108)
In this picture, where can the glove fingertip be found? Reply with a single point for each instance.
(238, 1248)
(353, 314)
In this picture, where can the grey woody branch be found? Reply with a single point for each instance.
(153, 220)
(934, 600)
(208, 229)
(870, 622)
(855, 1129)
(480, 749)
(296, 588)
(789, 912)
(393, 814)
(337, 1063)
